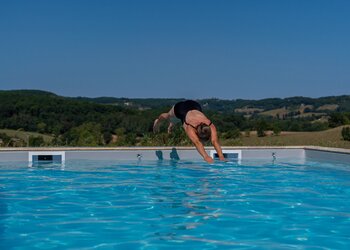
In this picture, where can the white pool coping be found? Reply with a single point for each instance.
(327, 149)
(178, 153)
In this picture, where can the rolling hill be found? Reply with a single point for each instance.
(96, 121)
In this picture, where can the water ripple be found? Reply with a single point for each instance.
(175, 205)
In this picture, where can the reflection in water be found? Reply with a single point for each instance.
(173, 204)
(3, 212)
(46, 165)
(185, 201)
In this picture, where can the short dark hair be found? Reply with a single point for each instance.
(204, 132)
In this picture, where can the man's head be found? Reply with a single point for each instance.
(204, 132)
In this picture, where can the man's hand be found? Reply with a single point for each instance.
(223, 159)
(209, 159)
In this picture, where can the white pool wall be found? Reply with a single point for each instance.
(181, 153)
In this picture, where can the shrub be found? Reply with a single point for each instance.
(338, 119)
(261, 126)
(260, 132)
(107, 137)
(345, 132)
(233, 133)
(5, 139)
(36, 141)
(87, 134)
(276, 130)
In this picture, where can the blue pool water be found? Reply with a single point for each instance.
(175, 205)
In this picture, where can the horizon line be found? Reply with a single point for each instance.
(205, 98)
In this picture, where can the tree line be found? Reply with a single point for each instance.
(82, 122)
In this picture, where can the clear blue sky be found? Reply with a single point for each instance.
(181, 48)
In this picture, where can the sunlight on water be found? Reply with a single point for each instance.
(174, 205)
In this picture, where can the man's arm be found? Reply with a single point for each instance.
(215, 142)
(199, 146)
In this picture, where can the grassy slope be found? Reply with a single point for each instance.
(24, 135)
(328, 138)
(275, 112)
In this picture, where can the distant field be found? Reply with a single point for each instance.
(310, 115)
(247, 110)
(25, 135)
(331, 107)
(283, 111)
(274, 112)
(328, 138)
(303, 107)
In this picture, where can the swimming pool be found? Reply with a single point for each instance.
(86, 204)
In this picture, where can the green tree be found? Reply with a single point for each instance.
(345, 132)
(338, 119)
(261, 127)
(276, 130)
(87, 134)
(41, 127)
(107, 137)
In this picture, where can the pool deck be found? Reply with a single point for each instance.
(183, 153)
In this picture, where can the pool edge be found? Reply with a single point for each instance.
(183, 153)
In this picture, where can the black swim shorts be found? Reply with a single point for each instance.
(181, 108)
